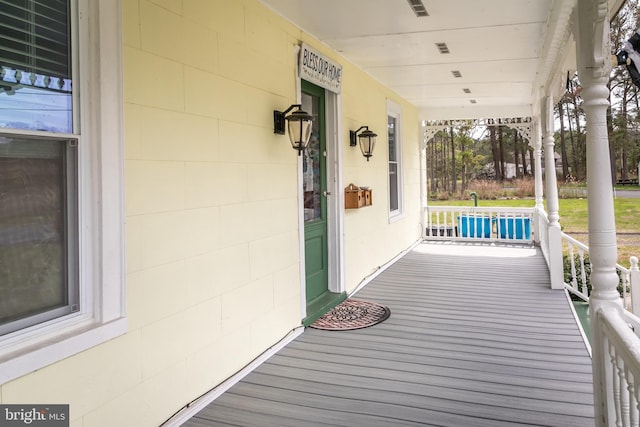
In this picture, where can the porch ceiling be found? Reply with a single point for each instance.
(505, 50)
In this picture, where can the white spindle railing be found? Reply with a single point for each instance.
(579, 268)
(617, 334)
(479, 223)
(543, 231)
(621, 347)
(634, 282)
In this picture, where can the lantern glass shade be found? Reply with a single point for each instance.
(367, 140)
(300, 126)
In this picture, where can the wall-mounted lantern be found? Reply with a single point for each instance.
(299, 123)
(366, 138)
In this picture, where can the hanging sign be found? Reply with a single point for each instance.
(317, 68)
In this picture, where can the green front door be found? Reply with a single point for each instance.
(314, 171)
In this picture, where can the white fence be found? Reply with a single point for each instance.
(577, 269)
(621, 360)
(527, 225)
(617, 334)
(479, 223)
(542, 228)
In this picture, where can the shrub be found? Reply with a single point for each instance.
(566, 262)
(486, 189)
(524, 187)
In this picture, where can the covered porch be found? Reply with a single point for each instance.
(480, 333)
(476, 337)
(504, 65)
(190, 238)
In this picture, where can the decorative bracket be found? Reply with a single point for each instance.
(523, 125)
(601, 51)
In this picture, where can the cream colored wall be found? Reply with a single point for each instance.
(371, 238)
(212, 209)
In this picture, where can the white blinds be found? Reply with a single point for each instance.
(35, 37)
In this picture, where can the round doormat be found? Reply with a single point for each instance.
(352, 314)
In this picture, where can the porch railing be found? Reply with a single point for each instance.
(577, 269)
(621, 370)
(479, 223)
(542, 229)
(618, 334)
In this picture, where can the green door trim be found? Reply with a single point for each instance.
(318, 298)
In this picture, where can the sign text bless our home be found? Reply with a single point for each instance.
(313, 66)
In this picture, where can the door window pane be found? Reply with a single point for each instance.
(311, 165)
(38, 230)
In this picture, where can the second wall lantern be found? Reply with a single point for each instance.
(299, 124)
(366, 138)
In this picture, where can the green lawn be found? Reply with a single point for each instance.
(573, 219)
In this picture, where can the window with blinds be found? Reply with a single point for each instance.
(35, 65)
(58, 296)
(38, 171)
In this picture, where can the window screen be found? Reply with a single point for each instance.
(38, 229)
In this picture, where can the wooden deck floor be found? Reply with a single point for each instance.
(476, 338)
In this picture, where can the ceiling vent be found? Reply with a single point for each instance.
(443, 48)
(466, 90)
(418, 8)
(457, 74)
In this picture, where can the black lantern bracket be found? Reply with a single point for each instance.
(353, 135)
(279, 124)
(299, 124)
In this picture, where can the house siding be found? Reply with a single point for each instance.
(212, 240)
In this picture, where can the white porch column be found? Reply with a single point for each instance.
(424, 196)
(537, 158)
(555, 239)
(536, 144)
(593, 68)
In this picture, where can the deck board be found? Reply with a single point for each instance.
(476, 337)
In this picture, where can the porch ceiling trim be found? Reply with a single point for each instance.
(524, 125)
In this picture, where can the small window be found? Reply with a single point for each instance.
(395, 159)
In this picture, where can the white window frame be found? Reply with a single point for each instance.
(394, 110)
(101, 202)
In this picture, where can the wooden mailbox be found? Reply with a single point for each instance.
(356, 197)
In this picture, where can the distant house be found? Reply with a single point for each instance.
(489, 172)
(558, 161)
